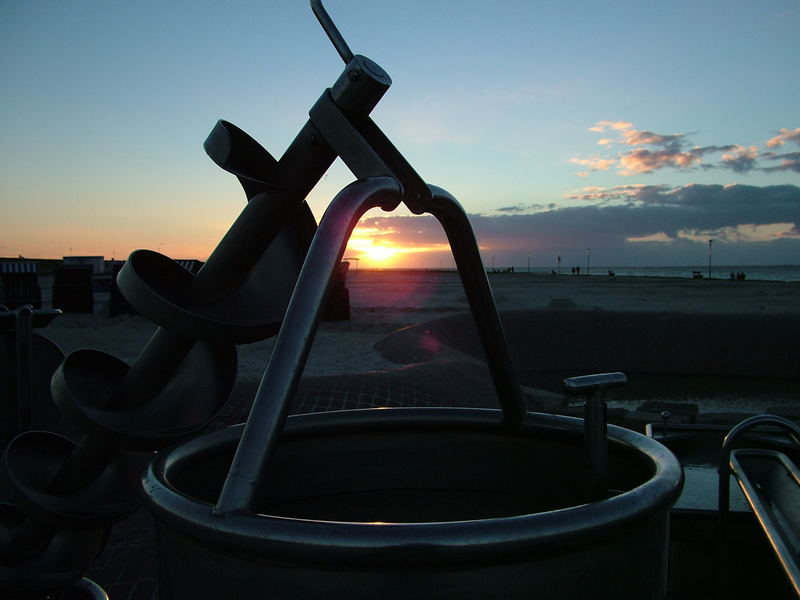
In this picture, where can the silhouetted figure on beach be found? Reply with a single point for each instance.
(611, 273)
(577, 270)
(734, 276)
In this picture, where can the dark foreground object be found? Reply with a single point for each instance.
(423, 503)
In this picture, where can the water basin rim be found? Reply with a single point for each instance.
(287, 538)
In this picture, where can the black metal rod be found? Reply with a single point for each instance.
(333, 32)
(289, 355)
(462, 240)
(596, 446)
(595, 427)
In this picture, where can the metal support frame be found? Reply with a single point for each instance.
(238, 296)
(724, 469)
(289, 355)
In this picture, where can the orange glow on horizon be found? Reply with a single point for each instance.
(374, 247)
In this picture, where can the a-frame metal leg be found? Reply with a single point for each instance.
(289, 355)
(462, 241)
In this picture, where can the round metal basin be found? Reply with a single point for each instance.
(417, 503)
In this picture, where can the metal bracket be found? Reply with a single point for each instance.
(367, 151)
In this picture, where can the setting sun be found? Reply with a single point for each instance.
(380, 253)
(380, 248)
(376, 252)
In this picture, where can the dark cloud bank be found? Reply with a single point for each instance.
(686, 217)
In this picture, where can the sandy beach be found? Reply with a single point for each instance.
(385, 302)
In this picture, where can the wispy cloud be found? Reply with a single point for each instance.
(741, 159)
(526, 208)
(784, 135)
(789, 161)
(593, 163)
(602, 126)
(649, 151)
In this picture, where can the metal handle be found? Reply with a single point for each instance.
(288, 358)
(724, 470)
(333, 32)
(595, 419)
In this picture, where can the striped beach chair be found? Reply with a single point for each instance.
(191, 265)
(20, 284)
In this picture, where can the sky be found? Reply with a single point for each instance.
(638, 129)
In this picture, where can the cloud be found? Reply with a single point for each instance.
(601, 126)
(654, 151)
(526, 208)
(594, 163)
(642, 160)
(789, 161)
(632, 137)
(632, 193)
(741, 160)
(784, 135)
(629, 222)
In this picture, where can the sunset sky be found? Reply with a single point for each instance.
(636, 128)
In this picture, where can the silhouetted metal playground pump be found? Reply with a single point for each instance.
(428, 503)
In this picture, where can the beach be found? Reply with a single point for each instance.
(665, 333)
(384, 301)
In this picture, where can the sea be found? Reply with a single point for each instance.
(751, 272)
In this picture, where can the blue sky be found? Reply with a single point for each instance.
(105, 106)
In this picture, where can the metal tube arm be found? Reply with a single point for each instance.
(288, 358)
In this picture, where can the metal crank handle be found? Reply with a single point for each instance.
(333, 32)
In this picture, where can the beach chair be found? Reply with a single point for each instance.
(72, 289)
(337, 306)
(20, 284)
(117, 304)
(191, 265)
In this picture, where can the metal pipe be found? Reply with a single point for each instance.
(727, 445)
(595, 415)
(289, 355)
(462, 240)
